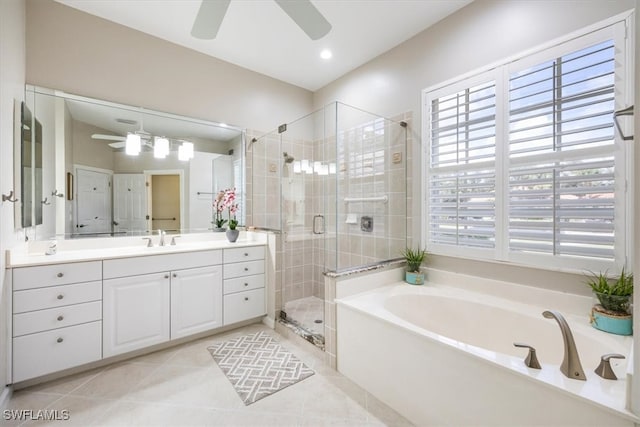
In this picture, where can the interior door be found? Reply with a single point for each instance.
(94, 202)
(129, 202)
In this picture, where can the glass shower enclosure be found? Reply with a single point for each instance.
(333, 183)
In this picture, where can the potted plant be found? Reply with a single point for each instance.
(613, 314)
(414, 259)
(218, 208)
(232, 208)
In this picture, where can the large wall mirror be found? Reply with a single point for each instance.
(115, 170)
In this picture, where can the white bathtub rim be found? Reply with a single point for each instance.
(549, 376)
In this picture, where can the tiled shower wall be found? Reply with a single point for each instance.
(372, 162)
(302, 200)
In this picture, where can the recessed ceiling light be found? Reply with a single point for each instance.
(326, 54)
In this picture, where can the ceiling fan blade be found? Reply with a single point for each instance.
(117, 144)
(209, 19)
(108, 137)
(308, 18)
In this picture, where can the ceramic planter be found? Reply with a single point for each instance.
(619, 323)
(232, 235)
(414, 278)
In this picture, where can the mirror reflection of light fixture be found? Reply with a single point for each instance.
(185, 151)
(627, 124)
(133, 144)
(297, 167)
(160, 147)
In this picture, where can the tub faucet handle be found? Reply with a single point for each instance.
(531, 360)
(604, 368)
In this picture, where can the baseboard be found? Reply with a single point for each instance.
(5, 396)
(269, 322)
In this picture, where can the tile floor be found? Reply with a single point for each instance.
(306, 311)
(183, 386)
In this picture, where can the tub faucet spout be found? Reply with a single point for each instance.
(571, 366)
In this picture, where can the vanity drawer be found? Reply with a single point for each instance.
(54, 275)
(245, 283)
(243, 306)
(157, 263)
(58, 296)
(244, 254)
(243, 269)
(45, 320)
(45, 352)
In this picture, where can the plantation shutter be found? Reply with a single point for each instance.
(561, 181)
(462, 174)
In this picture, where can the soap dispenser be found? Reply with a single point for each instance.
(53, 248)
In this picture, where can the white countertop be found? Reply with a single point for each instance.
(100, 249)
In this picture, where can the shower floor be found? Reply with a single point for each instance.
(308, 313)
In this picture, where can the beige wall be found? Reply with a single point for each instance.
(88, 151)
(86, 55)
(481, 33)
(12, 71)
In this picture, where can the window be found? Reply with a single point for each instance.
(524, 164)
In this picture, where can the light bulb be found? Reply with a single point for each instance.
(132, 144)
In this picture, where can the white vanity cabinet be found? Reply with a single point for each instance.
(136, 312)
(196, 300)
(69, 314)
(152, 299)
(57, 317)
(244, 293)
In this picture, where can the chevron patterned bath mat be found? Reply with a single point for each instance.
(258, 366)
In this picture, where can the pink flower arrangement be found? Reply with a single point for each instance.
(226, 199)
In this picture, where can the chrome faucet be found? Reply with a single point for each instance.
(571, 366)
(161, 234)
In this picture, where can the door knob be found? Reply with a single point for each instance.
(60, 340)
(60, 274)
(60, 296)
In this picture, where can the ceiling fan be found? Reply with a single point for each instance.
(302, 12)
(120, 141)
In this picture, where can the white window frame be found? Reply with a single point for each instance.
(617, 28)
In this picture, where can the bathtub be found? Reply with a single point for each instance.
(444, 355)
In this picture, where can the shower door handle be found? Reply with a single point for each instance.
(318, 224)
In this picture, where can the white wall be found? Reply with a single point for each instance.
(12, 76)
(79, 53)
(477, 35)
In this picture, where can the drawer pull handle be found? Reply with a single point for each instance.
(60, 274)
(246, 269)
(60, 296)
(59, 340)
(175, 275)
(246, 284)
(60, 318)
(246, 298)
(246, 254)
(166, 276)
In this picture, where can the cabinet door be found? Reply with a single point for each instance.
(136, 312)
(196, 300)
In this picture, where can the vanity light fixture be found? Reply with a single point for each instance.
(160, 147)
(133, 144)
(185, 151)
